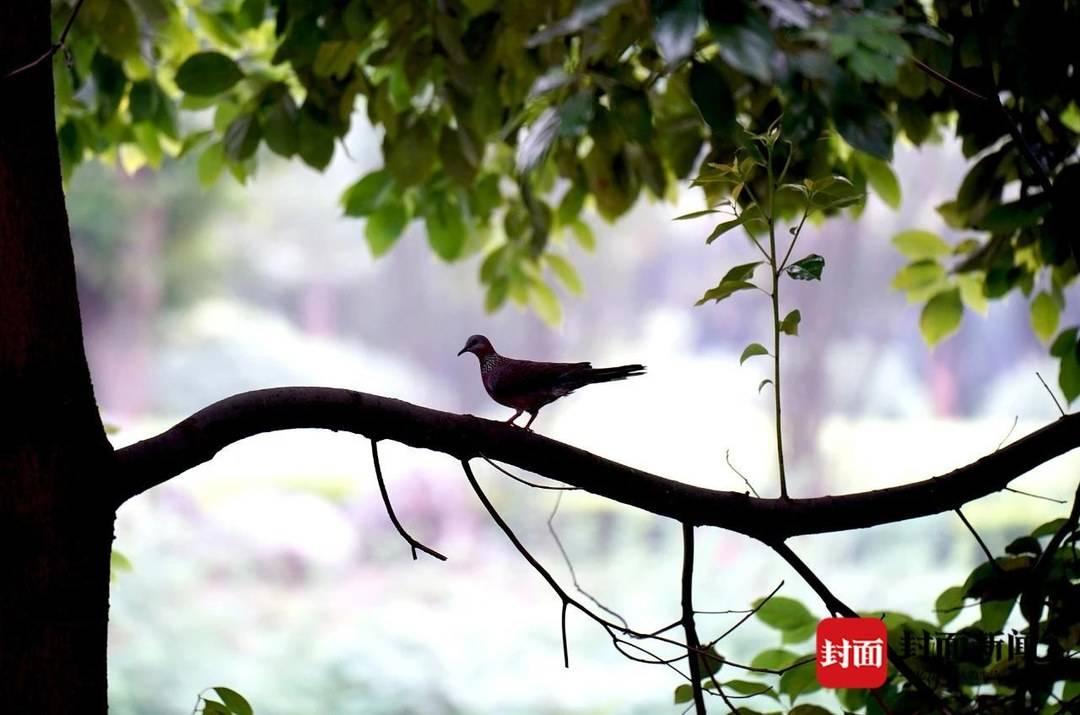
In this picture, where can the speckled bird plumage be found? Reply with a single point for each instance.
(526, 386)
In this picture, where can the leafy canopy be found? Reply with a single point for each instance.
(501, 120)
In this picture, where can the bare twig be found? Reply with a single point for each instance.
(413, 543)
(526, 482)
(1051, 393)
(727, 458)
(570, 565)
(56, 46)
(692, 643)
(1035, 496)
(982, 544)
(1008, 434)
(745, 618)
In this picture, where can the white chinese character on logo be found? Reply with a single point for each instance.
(832, 654)
(867, 654)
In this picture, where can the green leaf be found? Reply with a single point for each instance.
(742, 272)
(566, 273)
(385, 226)
(496, 294)
(570, 205)
(676, 26)
(809, 709)
(458, 156)
(763, 384)
(799, 681)
(118, 563)
(800, 634)
(713, 98)
(947, 606)
(710, 662)
(919, 275)
(881, 177)
(751, 350)
(866, 128)
(696, 214)
(234, 701)
(1064, 343)
(726, 226)
(1045, 313)
(724, 290)
(446, 227)
(743, 35)
(367, 194)
(994, 614)
(211, 163)
(784, 613)
(583, 234)
(918, 245)
(774, 659)
(545, 302)
(208, 73)
(941, 316)
(584, 13)
(807, 269)
(410, 156)
(335, 58)
(684, 693)
(790, 324)
(213, 707)
(1049, 528)
(115, 23)
(143, 101)
(280, 126)
(632, 114)
(1069, 375)
(1024, 545)
(316, 142)
(242, 137)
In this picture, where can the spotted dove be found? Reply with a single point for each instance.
(527, 386)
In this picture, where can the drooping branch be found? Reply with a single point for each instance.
(413, 543)
(198, 438)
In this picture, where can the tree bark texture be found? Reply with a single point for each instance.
(55, 516)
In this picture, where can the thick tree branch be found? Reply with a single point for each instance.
(198, 438)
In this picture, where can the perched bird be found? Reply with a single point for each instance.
(527, 386)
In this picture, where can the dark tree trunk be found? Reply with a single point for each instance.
(56, 507)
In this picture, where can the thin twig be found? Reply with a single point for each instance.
(1051, 393)
(1008, 434)
(526, 482)
(570, 565)
(748, 615)
(692, 644)
(1036, 496)
(413, 543)
(989, 556)
(947, 80)
(54, 48)
(565, 646)
(727, 458)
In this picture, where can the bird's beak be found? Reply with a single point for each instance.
(462, 351)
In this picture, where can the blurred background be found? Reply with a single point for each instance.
(274, 569)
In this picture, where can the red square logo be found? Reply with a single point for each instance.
(852, 653)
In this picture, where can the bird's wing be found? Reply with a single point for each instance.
(522, 377)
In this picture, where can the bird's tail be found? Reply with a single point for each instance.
(608, 374)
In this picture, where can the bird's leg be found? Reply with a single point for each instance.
(532, 416)
(516, 415)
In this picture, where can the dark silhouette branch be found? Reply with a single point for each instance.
(982, 544)
(198, 438)
(413, 543)
(526, 482)
(570, 566)
(56, 46)
(693, 646)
